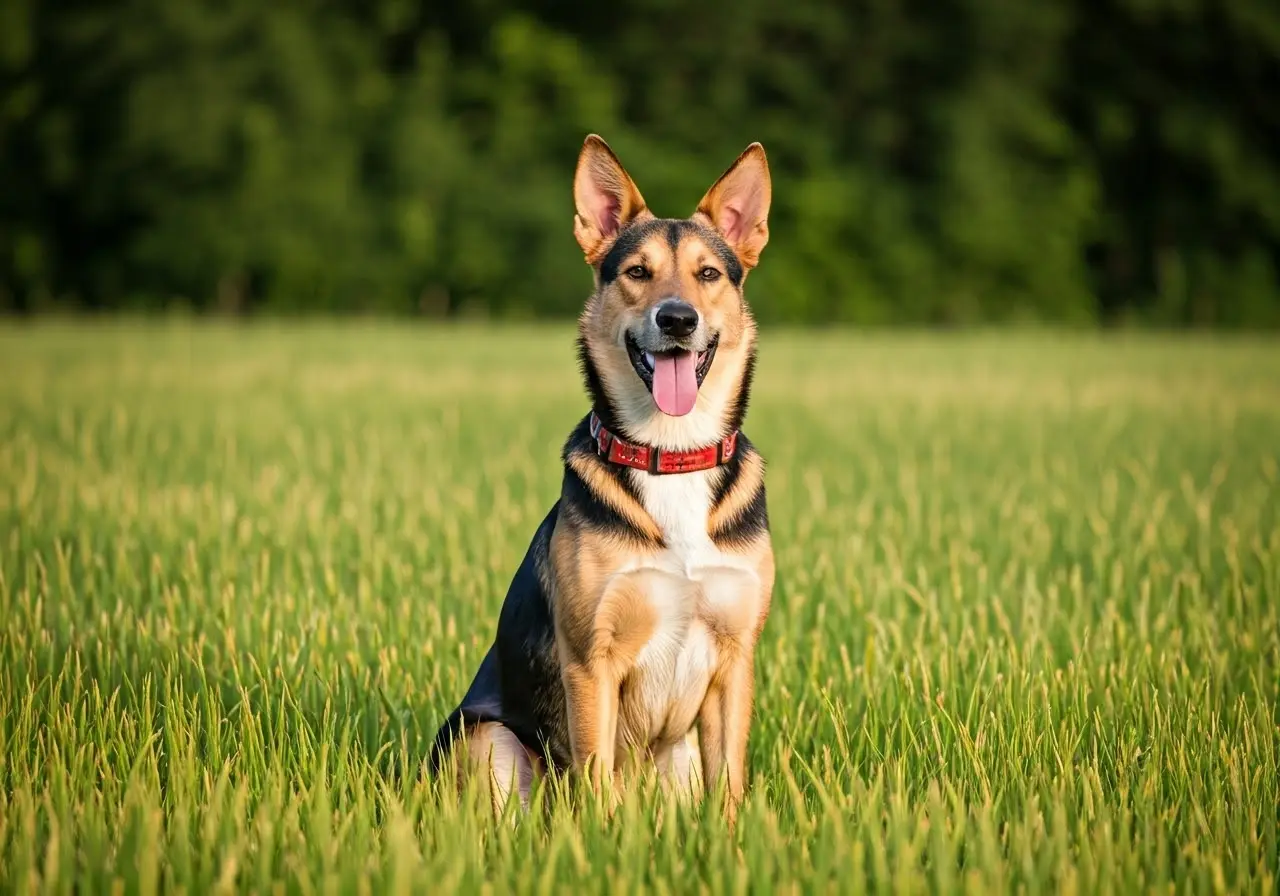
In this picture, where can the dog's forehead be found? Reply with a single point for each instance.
(669, 234)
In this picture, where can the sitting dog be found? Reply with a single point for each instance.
(633, 619)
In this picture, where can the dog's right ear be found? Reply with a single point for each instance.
(738, 205)
(605, 197)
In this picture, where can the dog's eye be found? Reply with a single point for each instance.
(639, 272)
(709, 274)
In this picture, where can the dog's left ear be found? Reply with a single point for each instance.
(738, 205)
(605, 198)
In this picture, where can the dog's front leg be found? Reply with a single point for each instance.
(724, 722)
(734, 603)
(591, 694)
(596, 656)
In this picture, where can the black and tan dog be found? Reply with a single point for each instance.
(634, 617)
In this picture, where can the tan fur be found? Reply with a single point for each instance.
(724, 720)
(609, 598)
(612, 709)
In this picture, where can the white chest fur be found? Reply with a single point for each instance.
(666, 687)
(681, 504)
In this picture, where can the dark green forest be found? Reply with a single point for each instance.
(940, 162)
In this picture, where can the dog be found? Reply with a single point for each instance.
(628, 632)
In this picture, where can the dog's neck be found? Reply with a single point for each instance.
(637, 420)
(657, 461)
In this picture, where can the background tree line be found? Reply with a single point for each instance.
(940, 161)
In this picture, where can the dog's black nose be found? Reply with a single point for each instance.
(676, 318)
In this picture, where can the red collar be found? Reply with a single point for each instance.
(656, 460)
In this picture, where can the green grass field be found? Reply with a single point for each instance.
(1025, 637)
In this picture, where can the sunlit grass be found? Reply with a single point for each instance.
(1025, 635)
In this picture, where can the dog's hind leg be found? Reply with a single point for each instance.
(506, 765)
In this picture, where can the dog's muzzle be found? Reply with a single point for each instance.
(671, 354)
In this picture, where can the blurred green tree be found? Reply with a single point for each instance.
(947, 162)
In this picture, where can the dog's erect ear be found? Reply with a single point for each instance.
(738, 205)
(605, 197)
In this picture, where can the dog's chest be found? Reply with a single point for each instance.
(665, 688)
(681, 506)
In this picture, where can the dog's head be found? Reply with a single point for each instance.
(666, 340)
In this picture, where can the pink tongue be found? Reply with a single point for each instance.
(675, 385)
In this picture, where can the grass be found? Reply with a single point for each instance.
(1025, 635)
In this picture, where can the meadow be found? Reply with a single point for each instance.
(1025, 636)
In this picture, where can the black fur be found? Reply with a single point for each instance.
(753, 520)
(749, 524)
(518, 682)
(633, 237)
(738, 409)
(600, 400)
(628, 242)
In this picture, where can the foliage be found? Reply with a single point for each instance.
(960, 161)
(1025, 636)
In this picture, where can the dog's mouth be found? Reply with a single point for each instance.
(674, 376)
